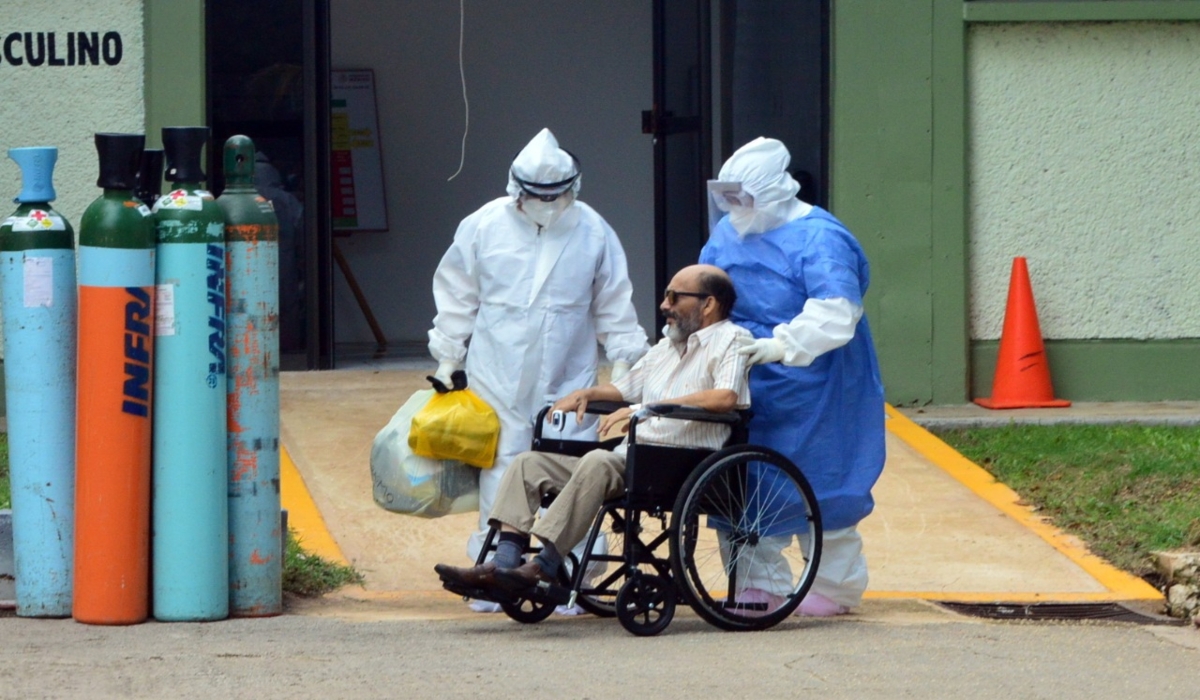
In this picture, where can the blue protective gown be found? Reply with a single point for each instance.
(827, 417)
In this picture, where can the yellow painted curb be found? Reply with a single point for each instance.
(303, 516)
(1121, 585)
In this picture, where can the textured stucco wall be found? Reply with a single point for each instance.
(65, 105)
(1084, 157)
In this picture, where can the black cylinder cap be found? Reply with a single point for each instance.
(149, 177)
(182, 145)
(120, 156)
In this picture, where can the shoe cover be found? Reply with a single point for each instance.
(757, 595)
(484, 606)
(817, 605)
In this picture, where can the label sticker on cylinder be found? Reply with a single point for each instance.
(39, 282)
(164, 311)
(37, 220)
(180, 199)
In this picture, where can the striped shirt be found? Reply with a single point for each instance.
(708, 360)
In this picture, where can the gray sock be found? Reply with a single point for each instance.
(549, 559)
(508, 552)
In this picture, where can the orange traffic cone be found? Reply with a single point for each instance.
(1022, 377)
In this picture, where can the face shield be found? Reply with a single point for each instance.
(769, 199)
(543, 179)
(724, 197)
(546, 191)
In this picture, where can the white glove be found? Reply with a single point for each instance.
(620, 369)
(763, 350)
(444, 370)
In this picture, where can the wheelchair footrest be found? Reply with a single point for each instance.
(490, 595)
(546, 593)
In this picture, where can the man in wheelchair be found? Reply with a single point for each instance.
(696, 364)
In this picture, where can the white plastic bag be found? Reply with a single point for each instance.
(412, 485)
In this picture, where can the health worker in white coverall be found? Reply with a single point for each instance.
(532, 282)
(818, 398)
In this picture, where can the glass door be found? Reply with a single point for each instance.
(681, 123)
(268, 71)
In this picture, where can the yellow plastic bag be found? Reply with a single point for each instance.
(456, 425)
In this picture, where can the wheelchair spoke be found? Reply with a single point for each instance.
(749, 564)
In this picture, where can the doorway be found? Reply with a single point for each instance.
(726, 72)
(716, 73)
(268, 69)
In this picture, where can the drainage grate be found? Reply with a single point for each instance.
(1113, 612)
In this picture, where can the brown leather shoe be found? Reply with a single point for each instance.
(522, 578)
(479, 576)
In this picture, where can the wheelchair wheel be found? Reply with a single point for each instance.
(746, 538)
(607, 569)
(646, 604)
(532, 610)
(527, 610)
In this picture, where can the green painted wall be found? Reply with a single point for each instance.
(1107, 370)
(175, 66)
(899, 184)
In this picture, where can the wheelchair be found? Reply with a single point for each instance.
(734, 522)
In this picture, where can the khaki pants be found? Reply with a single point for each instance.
(582, 484)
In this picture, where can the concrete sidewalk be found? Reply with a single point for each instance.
(943, 529)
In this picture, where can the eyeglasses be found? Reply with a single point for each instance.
(671, 296)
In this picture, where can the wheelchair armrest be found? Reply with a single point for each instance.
(596, 407)
(604, 408)
(667, 410)
(736, 420)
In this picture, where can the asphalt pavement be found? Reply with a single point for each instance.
(942, 533)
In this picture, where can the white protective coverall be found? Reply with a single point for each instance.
(532, 299)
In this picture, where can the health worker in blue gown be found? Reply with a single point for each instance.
(818, 398)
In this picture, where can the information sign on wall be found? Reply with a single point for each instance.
(356, 167)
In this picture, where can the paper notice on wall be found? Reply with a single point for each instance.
(39, 282)
(164, 309)
(359, 200)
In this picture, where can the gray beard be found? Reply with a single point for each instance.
(682, 330)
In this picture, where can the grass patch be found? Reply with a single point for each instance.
(1125, 490)
(5, 485)
(306, 574)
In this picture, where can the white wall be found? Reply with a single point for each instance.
(579, 67)
(65, 106)
(1084, 157)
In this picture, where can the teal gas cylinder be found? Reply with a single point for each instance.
(37, 274)
(191, 540)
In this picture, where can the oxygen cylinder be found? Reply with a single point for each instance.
(191, 525)
(149, 177)
(114, 403)
(252, 244)
(37, 265)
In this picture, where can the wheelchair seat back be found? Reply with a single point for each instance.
(655, 473)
